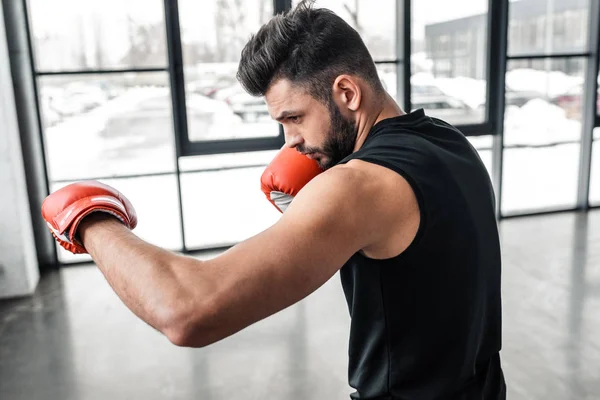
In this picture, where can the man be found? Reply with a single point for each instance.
(404, 210)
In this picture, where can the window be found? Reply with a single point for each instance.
(542, 132)
(444, 41)
(213, 35)
(375, 24)
(462, 43)
(547, 26)
(595, 172)
(105, 104)
(462, 66)
(222, 200)
(105, 100)
(483, 145)
(90, 35)
(579, 28)
(107, 124)
(598, 99)
(560, 29)
(455, 65)
(149, 194)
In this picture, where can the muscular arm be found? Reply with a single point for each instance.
(195, 303)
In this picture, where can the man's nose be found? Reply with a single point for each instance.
(292, 139)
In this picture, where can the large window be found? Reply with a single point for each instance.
(213, 35)
(107, 124)
(542, 130)
(221, 198)
(544, 111)
(594, 195)
(145, 98)
(156, 204)
(105, 103)
(547, 26)
(448, 61)
(484, 145)
(595, 173)
(72, 35)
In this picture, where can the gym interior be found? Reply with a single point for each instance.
(142, 95)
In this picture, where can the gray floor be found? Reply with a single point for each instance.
(75, 340)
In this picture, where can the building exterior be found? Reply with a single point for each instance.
(459, 47)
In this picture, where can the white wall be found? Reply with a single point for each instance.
(19, 272)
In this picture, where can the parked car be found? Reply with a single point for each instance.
(246, 106)
(77, 98)
(423, 90)
(572, 102)
(449, 109)
(209, 87)
(149, 122)
(519, 98)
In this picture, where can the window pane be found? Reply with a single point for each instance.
(221, 208)
(541, 138)
(375, 24)
(483, 145)
(449, 47)
(213, 34)
(597, 97)
(107, 125)
(74, 35)
(562, 85)
(388, 73)
(595, 173)
(155, 201)
(547, 26)
(226, 161)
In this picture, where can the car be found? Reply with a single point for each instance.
(209, 87)
(423, 90)
(149, 122)
(246, 106)
(519, 98)
(77, 98)
(448, 108)
(572, 102)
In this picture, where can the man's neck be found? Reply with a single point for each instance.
(387, 109)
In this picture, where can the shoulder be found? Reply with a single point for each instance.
(369, 199)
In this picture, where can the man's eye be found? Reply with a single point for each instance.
(295, 119)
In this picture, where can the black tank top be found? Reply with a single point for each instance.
(427, 323)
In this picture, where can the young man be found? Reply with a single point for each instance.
(404, 210)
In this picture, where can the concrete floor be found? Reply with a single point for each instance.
(75, 340)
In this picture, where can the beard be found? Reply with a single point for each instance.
(339, 141)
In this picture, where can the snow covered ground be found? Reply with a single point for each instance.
(132, 134)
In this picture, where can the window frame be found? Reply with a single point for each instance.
(496, 59)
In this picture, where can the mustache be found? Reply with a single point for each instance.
(308, 150)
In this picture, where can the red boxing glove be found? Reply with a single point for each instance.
(64, 209)
(283, 178)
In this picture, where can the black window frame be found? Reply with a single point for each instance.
(496, 62)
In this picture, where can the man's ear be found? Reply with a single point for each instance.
(347, 92)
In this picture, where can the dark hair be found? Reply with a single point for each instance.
(310, 47)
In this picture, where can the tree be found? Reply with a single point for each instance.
(233, 27)
(147, 45)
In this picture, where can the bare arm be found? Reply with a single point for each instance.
(196, 302)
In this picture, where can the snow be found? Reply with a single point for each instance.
(551, 83)
(537, 123)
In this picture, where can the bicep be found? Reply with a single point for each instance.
(285, 263)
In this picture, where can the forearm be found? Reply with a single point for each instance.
(141, 274)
